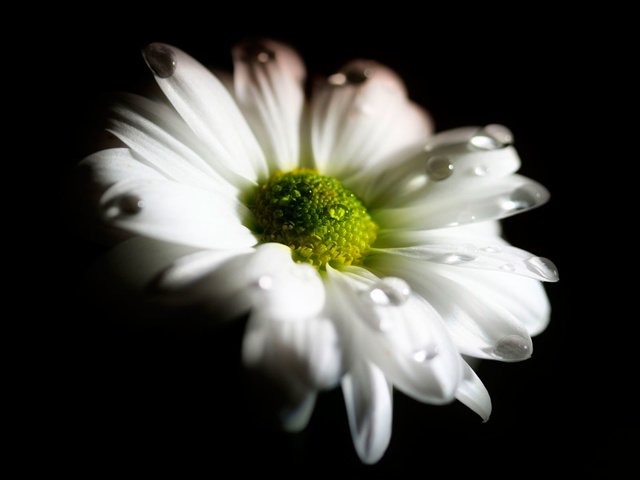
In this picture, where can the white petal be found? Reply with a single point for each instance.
(358, 123)
(407, 340)
(479, 326)
(427, 174)
(295, 419)
(368, 397)
(268, 79)
(482, 201)
(113, 165)
(304, 352)
(161, 139)
(206, 106)
(473, 394)
(174, 212)
(267, 280)
(484, 256)
(480, 232)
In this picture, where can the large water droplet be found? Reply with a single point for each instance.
(524, 197)
(543, 267)
(130, 204)
(390, 291)
(457, 258)
(161, 59)
(491, 137)
(425, 354)
(501, 133)
(439, 168)
(513, 348)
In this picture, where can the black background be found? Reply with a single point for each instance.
(117, 393)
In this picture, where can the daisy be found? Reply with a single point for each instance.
(365, 250)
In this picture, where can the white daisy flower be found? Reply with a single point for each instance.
(366, 251)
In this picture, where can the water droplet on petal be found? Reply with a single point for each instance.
(525, 196)
(390, 291)
(543, 267)
(130, 204)
(480, 171)
(513, 348)
(507, 267)
(439, 168)
(490, 249)
(425, 354)
(256, 51)
(265, 282)
(457, 258)
(357, 75)
(160, 59)
(501, 133)
(481, 141)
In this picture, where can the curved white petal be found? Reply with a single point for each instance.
(267, 280)
(473, 394)
(268, 78)
(369, 401)
(160, 138)
(360, 116)
(479, 202)
(486, 256)
(428, 173)
(480, 232)
(479, 325)
(206, 106)
(113, 165)
(303, 352)
(178, 213)
(406, 339)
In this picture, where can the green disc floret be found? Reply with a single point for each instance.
(316, 216)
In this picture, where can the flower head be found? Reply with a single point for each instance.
(365, 250)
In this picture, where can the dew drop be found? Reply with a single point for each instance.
(255, 51)
(543, 267)
(507, 267)
(265, 282)
(481, 141)
(481, 171)
(457, 258)
(390, 291)
(337, 211)
(439, 168)
(130, 204)
(501, 133)
(490, 249)
(513, 348)
(523, 197)
(160, 59)
(425, 354)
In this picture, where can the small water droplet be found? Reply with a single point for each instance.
(457, 258)
(513, 348)
(390, 291)
(543, 267)
(357, 75)
(256, 51)
(480, 171)
(507, 267)
(481, 141)
(425, 354)
(501, 133)
(130, 204)
(439, 168)
(490, 249)
(161, 59)
(265, 282)
(337, 211)
(523, 197)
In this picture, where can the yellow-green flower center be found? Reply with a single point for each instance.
(316, 216)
